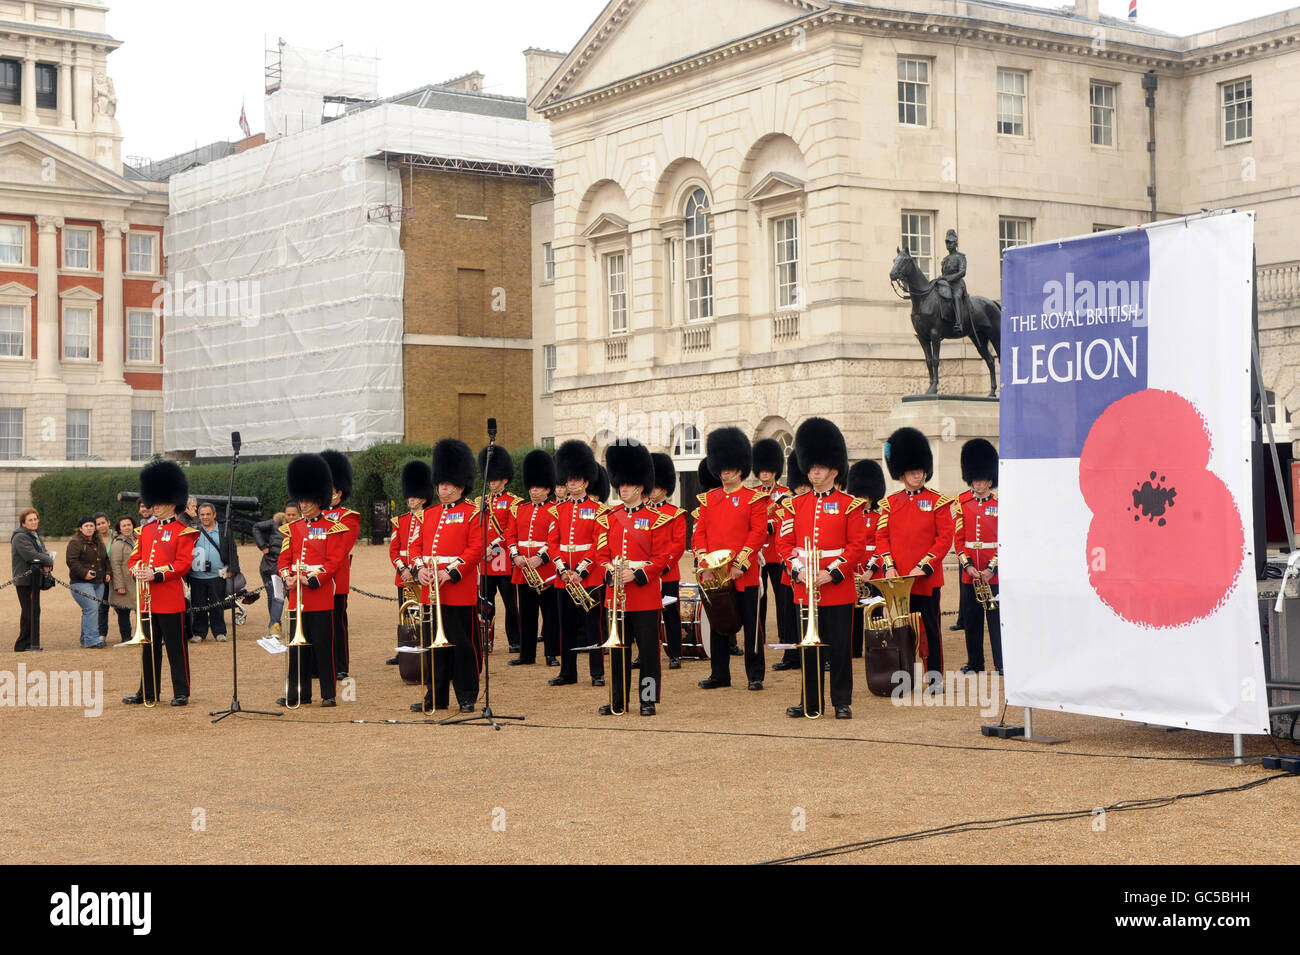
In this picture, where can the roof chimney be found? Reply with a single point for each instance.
(539, 65)
(1088, 9)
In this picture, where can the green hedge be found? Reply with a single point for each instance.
(65, 497)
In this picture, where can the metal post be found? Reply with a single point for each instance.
(1237, 751)
(1029, 723)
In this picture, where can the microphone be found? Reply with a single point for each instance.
(234, 441)
(492, 429)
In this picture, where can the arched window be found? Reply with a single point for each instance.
(786, 440)
(699, 257)
(686, 442)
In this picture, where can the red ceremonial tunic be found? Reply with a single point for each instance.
(678, 526)
(168, 547)
(872, 564)
(352, 521)
(322, 545)
(772, 544)
(976, 536)
(644, 537)
(734, 521)
(916, 529)
(533, 533)
(500, 518)
(451, 539)
(405, 529)
(576, 536)
(831, 521)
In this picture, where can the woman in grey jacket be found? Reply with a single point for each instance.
(30, 559)
(121, 592)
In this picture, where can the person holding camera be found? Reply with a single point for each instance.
(88, 567)
(30, 563)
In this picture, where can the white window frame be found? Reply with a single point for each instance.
(615, 292)
(25, 310)
(90, 248)
(1018, 222)
(26, 229)
(1107, 111)
(790, 263)
(79, 306)
(153, 262)
(548, 369)
(924, 259)
(1248, 101)
(153, 336)
(548, 262)
(1011, 96)
(152, 418)
(6, 438)
(697, 252)
(910, 72)
(68, 438)
(687, 442)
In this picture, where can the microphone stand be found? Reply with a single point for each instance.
(487, 717)
(234, 625)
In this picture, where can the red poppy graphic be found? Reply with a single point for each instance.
(1166, 542)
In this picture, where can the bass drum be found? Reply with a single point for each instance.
(695, 625)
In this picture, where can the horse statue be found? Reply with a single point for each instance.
(932, 318)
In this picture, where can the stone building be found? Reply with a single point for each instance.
(80, 251)
(732, 180)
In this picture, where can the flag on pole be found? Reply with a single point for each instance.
(243, 122)
(1132, 9)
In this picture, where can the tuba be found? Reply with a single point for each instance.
(719, 595)
(890, 636)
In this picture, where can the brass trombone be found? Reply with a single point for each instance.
(812, 636)
(144, 608)
(440, 641)
(617, 624)
(299, 635)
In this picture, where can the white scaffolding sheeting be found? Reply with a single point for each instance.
(283, 318)
(329, 72)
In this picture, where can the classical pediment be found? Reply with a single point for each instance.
(773, 186)
(631, 37)
(605, 224)
(79, 293)
(31, 161)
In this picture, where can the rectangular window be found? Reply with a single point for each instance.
(11, 82)
(785, 233)
(140, 249)
(918, 235)
(11, 434)
(1238, 111)
(76, 248)
(141, 435)
(12, 244)
(77, 333)
(548, 443)
(548, 369)
(548, 262)
(78, 443)
(1098, 227)
(913, 92)
(47, 86)
(1101, 97)
(13, 331)
(1012, 87)
(1011, 233)
(616, 293)
(139, 336)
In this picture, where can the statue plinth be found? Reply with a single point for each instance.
(949, 421)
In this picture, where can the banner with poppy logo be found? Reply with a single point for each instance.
(1125, 554)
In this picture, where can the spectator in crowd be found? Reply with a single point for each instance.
(87, 566)
(191, 516)
(122, 592)
(104, 534)
(291, 512)
(208, 578)
(267, 537)
(146, 514)
(30, 560)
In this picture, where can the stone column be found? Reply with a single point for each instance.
(65, 91)
(114, 342)
(29, 86)
(47, 299)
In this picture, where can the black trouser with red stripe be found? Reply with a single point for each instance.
(581, 629)
(643, 633)
(340, 622)
(974, 624)
(530, 603)
(672, 615)
(500, 583)
(833, 625)
(458, 665)
(318, 628)
(720, 643)
(785, 633)
(169, 629)
(928, 607)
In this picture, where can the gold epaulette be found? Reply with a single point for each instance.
(514, 509)
(602, 518)
(695, 514)
(855, 504)
(702, 498)
(603, 509)
(758, 495)
(189, 530)
(338, 528)
(284, 544)
(554, 510)
(477, 502)
(393, 521)
(663, 519)
(788, 504)
(348, 510)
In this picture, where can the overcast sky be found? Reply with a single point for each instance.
(185, 67)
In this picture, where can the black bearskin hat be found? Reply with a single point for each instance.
(908, 450)
(979, 461)
(866, 479)
(340, 471)
(727, 449)
(417, 481)
(574, 459)
(453, 462)
(503, 465)
(629, 462)
(539, 470)
(309, 479)
(708, 480)
(819, 441)
(794, 477)
(665, 472)
(768, 457)
(599, 489)
(163, 482)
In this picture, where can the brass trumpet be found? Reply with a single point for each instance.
(532, 577)
(578, 593)
(984, 593)
(144, 608)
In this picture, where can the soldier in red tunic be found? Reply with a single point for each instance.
(531, 541)
(977, 550)
(665, 484)
(867, 481)
(828, 520)
(915, 532)
(341, 473)
(635, 543)
(789, 624)
(768, 465)
(576, 532)
(314, 551)
(500, 569)
(733, 518)
(960, 622)
(161, 558)
(417, 488)
(447, 555)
